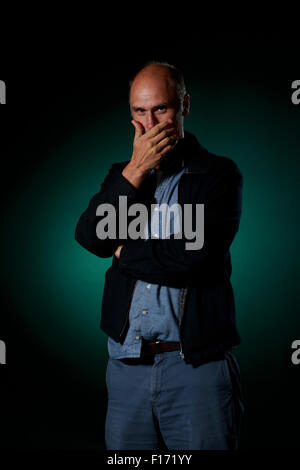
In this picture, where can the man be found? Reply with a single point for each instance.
(172, 379)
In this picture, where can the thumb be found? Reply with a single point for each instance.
(139, 129)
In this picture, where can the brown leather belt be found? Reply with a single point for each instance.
(157, 347)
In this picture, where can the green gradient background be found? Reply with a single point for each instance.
(54, 287)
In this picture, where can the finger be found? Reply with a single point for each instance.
(139, 129)
(159, 127)
(172, 131)
(171, 140)
(165, 151)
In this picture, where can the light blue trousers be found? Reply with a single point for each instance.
(164, 403)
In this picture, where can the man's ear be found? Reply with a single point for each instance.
(186, 105)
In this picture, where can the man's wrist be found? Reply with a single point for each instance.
(134, 175)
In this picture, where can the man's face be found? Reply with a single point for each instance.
(153, 99)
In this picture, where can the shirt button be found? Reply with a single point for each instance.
(137, 337)
(156, 208)
(144, 312)
(148, 286)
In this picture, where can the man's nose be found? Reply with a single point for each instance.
(151, 121)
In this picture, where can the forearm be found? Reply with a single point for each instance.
(114, 186)
(134, 175)
(168, 262)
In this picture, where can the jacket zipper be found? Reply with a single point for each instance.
(182, 304)
(127, 315)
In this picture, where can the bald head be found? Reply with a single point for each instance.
(164, 72)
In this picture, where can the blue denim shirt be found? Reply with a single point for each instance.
(155, 309)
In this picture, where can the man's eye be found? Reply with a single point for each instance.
(162, 108)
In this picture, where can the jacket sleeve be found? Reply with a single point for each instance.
(113, 186)
(168, 262)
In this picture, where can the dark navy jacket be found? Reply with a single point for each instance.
(208, 323)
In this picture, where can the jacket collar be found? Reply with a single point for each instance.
(194, 154)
